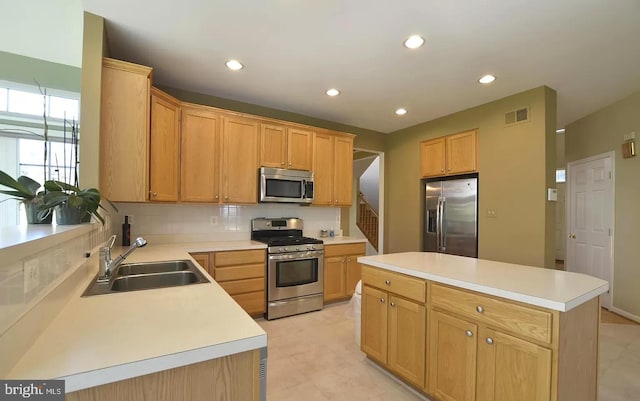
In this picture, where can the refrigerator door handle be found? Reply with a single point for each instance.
(442, 243)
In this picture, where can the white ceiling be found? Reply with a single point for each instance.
(294, 50)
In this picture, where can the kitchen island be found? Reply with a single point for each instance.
(180, 343)
(462, 329)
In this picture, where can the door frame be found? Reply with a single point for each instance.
(571, 165)
(380, 196)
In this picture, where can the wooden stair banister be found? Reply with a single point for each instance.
(367, 221)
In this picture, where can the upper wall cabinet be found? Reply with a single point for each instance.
(124, 131)
(200, 154)
(285, 147)
(164, 149)
(449, 155)
(239, 159)
(333, 169)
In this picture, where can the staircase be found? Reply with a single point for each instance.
(367, 221)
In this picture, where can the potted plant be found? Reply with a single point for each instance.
(25, 190)
(72, 205)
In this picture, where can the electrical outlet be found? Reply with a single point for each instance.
(213, 220)
(492, 213)
(31, 275)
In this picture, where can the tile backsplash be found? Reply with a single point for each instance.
(161, 223)
(24, 282)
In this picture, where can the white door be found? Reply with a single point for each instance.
(590, 218)
(561, 223)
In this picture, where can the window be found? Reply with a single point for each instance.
(22, 133)
(560, 175)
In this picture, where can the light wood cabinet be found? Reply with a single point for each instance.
(333, 169)
(124, 131)
(341, 270)
(242, 275)
(449, 155)
(485, 348)
(239, 160)
(393, 327)
(285, 147)
(164, 147)
(200, 154)
(453, 349)
(202, 258)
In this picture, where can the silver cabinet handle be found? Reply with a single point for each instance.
(226, 197)
(469, 333)
(217, 196)
(479, 309)
(393, 304)
(382, 300)
(289, 163)
(387, 282)
(282, 163)
(155, 194)
(489, 340)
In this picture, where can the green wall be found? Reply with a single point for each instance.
(365, 139)
(516, 164)
(27, 70)
(601, 132)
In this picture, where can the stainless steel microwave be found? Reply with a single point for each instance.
(286, 186)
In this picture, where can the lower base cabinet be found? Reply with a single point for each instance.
(241, 274)
(230, 378)
(341, 270)
(478, 347)
(393, 328)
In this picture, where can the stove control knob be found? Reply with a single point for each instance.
(282, 249)
(297, 248)
(310, 247)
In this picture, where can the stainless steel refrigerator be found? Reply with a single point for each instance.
(451, 216)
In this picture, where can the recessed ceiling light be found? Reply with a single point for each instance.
(560, 131)
(487, 79)
(234, 65)
(332, 92)
(401, 112)
(414, 41)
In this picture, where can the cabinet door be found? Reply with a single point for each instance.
(343, 173)
(240, 160)
(374, 323)
(407, 339)
(273, 146)
(432, 157)
(452, 358)
(334, 278)
(299, 149)
(354, 273)
(164, 149)
(323, 169)
(200, 167)
(512, 369)
(461, 152)
(124, 131)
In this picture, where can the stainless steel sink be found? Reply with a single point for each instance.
(152, 267)
(148, 275)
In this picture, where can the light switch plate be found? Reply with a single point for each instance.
(492, 213)
(552, 194)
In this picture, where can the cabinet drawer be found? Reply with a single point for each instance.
(229, 258)
(243, 286)
(497, 313)
(408, 287)
(253, 303)
(344, 249)
(239, 272)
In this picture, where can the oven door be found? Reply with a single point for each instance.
(295, 274)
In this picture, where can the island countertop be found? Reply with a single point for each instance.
(105, 338)
(548, 288)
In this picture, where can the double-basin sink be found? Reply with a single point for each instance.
(148, 275)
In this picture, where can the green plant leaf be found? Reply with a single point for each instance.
(21, 190)
(52, 185)
(29, 183)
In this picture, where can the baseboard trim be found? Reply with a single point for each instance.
(628, 315)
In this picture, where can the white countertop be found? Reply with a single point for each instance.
(106, 338)
(341, 240)
(552, 289)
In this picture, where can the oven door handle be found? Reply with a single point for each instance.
(296, 255)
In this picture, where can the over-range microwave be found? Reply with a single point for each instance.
(286, 186)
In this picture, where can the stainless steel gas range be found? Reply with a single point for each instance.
(294, 266)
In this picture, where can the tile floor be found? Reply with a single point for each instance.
(314, 357)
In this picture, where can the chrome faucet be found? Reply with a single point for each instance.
(107, 266)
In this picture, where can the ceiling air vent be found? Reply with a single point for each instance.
(516, 116)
